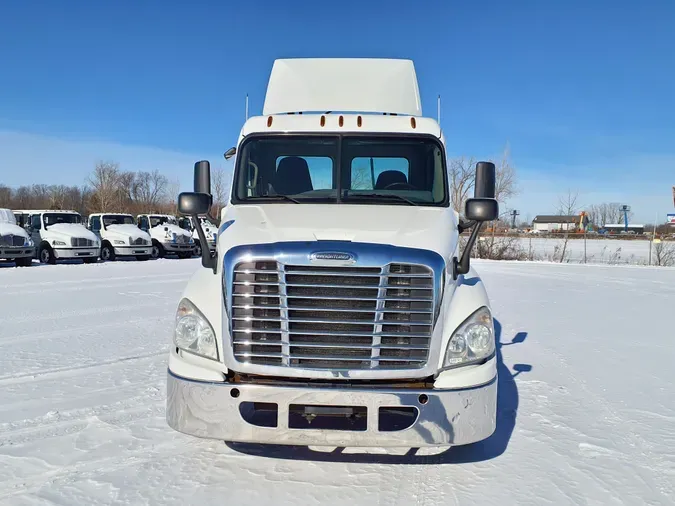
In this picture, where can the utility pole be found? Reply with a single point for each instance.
(625, 210)
(653, 237)
(514, 213)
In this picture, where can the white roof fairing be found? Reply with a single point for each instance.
(368, 85)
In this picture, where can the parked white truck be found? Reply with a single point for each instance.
(120, 236)
(166, 235)
(338, 309)
(15, 243)
(60, 235)
(210, 232)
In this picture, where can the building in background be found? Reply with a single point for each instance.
(546, 223)
(619, 228)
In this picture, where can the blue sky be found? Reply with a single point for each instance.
(582, 93)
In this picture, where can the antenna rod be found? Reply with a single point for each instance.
(246, 107)
(439, 109)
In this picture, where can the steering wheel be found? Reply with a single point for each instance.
(399, 186)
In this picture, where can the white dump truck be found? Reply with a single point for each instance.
(120, 236)
(167, 237)
(60, 235)
(16, 244)
(339, 308)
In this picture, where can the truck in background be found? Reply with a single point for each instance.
(210, 232)
(338, 308)
(60, 235)
(167, 237)
(16, 244)
(120, 236)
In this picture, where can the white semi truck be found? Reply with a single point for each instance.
(60, 235)
(338, 308)
(15, 243)
(120, 236)
(167, 237)
(210, 232)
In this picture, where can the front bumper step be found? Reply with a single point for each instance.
(256, 413)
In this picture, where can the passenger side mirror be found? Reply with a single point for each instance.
(203, 177)
(193, 203)
(481, 209)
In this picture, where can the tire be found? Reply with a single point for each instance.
(198, 249)
(90, 260)
(142, 258)
(24, 262)
(47, 255)
(157, 250)
(107, 252)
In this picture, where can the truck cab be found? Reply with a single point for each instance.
(337, 309)
(16, 244)
(120, 236)
(60, 235)
(166, 235)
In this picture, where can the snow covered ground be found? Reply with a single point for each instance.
(586, 400)
(598, 251)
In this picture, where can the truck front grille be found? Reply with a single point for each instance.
(139, 241)
(81, 242)
(11, 240)
(332, 317)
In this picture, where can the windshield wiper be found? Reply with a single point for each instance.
(274, 197)
(382, 196)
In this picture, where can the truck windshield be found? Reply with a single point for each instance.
(118, 219)
(55, 218)
(162, 220)
(397, 170)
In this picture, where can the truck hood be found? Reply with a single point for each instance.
(126, 231)
(159, 233)
(432, 228)
(71, 230)
(10, 229)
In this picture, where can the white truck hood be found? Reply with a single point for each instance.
(398, 225)
(10, 229)
(159, 233)
(71, 230)
(125, 231)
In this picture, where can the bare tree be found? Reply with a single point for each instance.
(150, 189)
(104, 182)
(664, 253)
(607, 212)
(505, 177)
(5, 196)
(462, 176)
(568, 204)
(220, 189)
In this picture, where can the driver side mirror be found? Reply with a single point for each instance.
(191, 203)
(481, 209)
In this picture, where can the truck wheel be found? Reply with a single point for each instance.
(47, 255)
(24, 262)
(90, 260)
(107, 252)
(157, 250)
(141, 258)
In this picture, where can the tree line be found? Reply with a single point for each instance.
(109, 189)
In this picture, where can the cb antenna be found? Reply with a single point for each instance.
(438, 112)
(246, 119)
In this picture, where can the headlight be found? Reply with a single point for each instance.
(193, 332)
(473, 341)
(29, 242)
(118, 242)
(58, 243)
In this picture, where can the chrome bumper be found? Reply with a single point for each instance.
(132, 250)
(178, 247)
(65, 253)
(447, 418)
(10, 252)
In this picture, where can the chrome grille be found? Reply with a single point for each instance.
(12, 240)
(139, 241)
(332, 317)
(81, 242)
